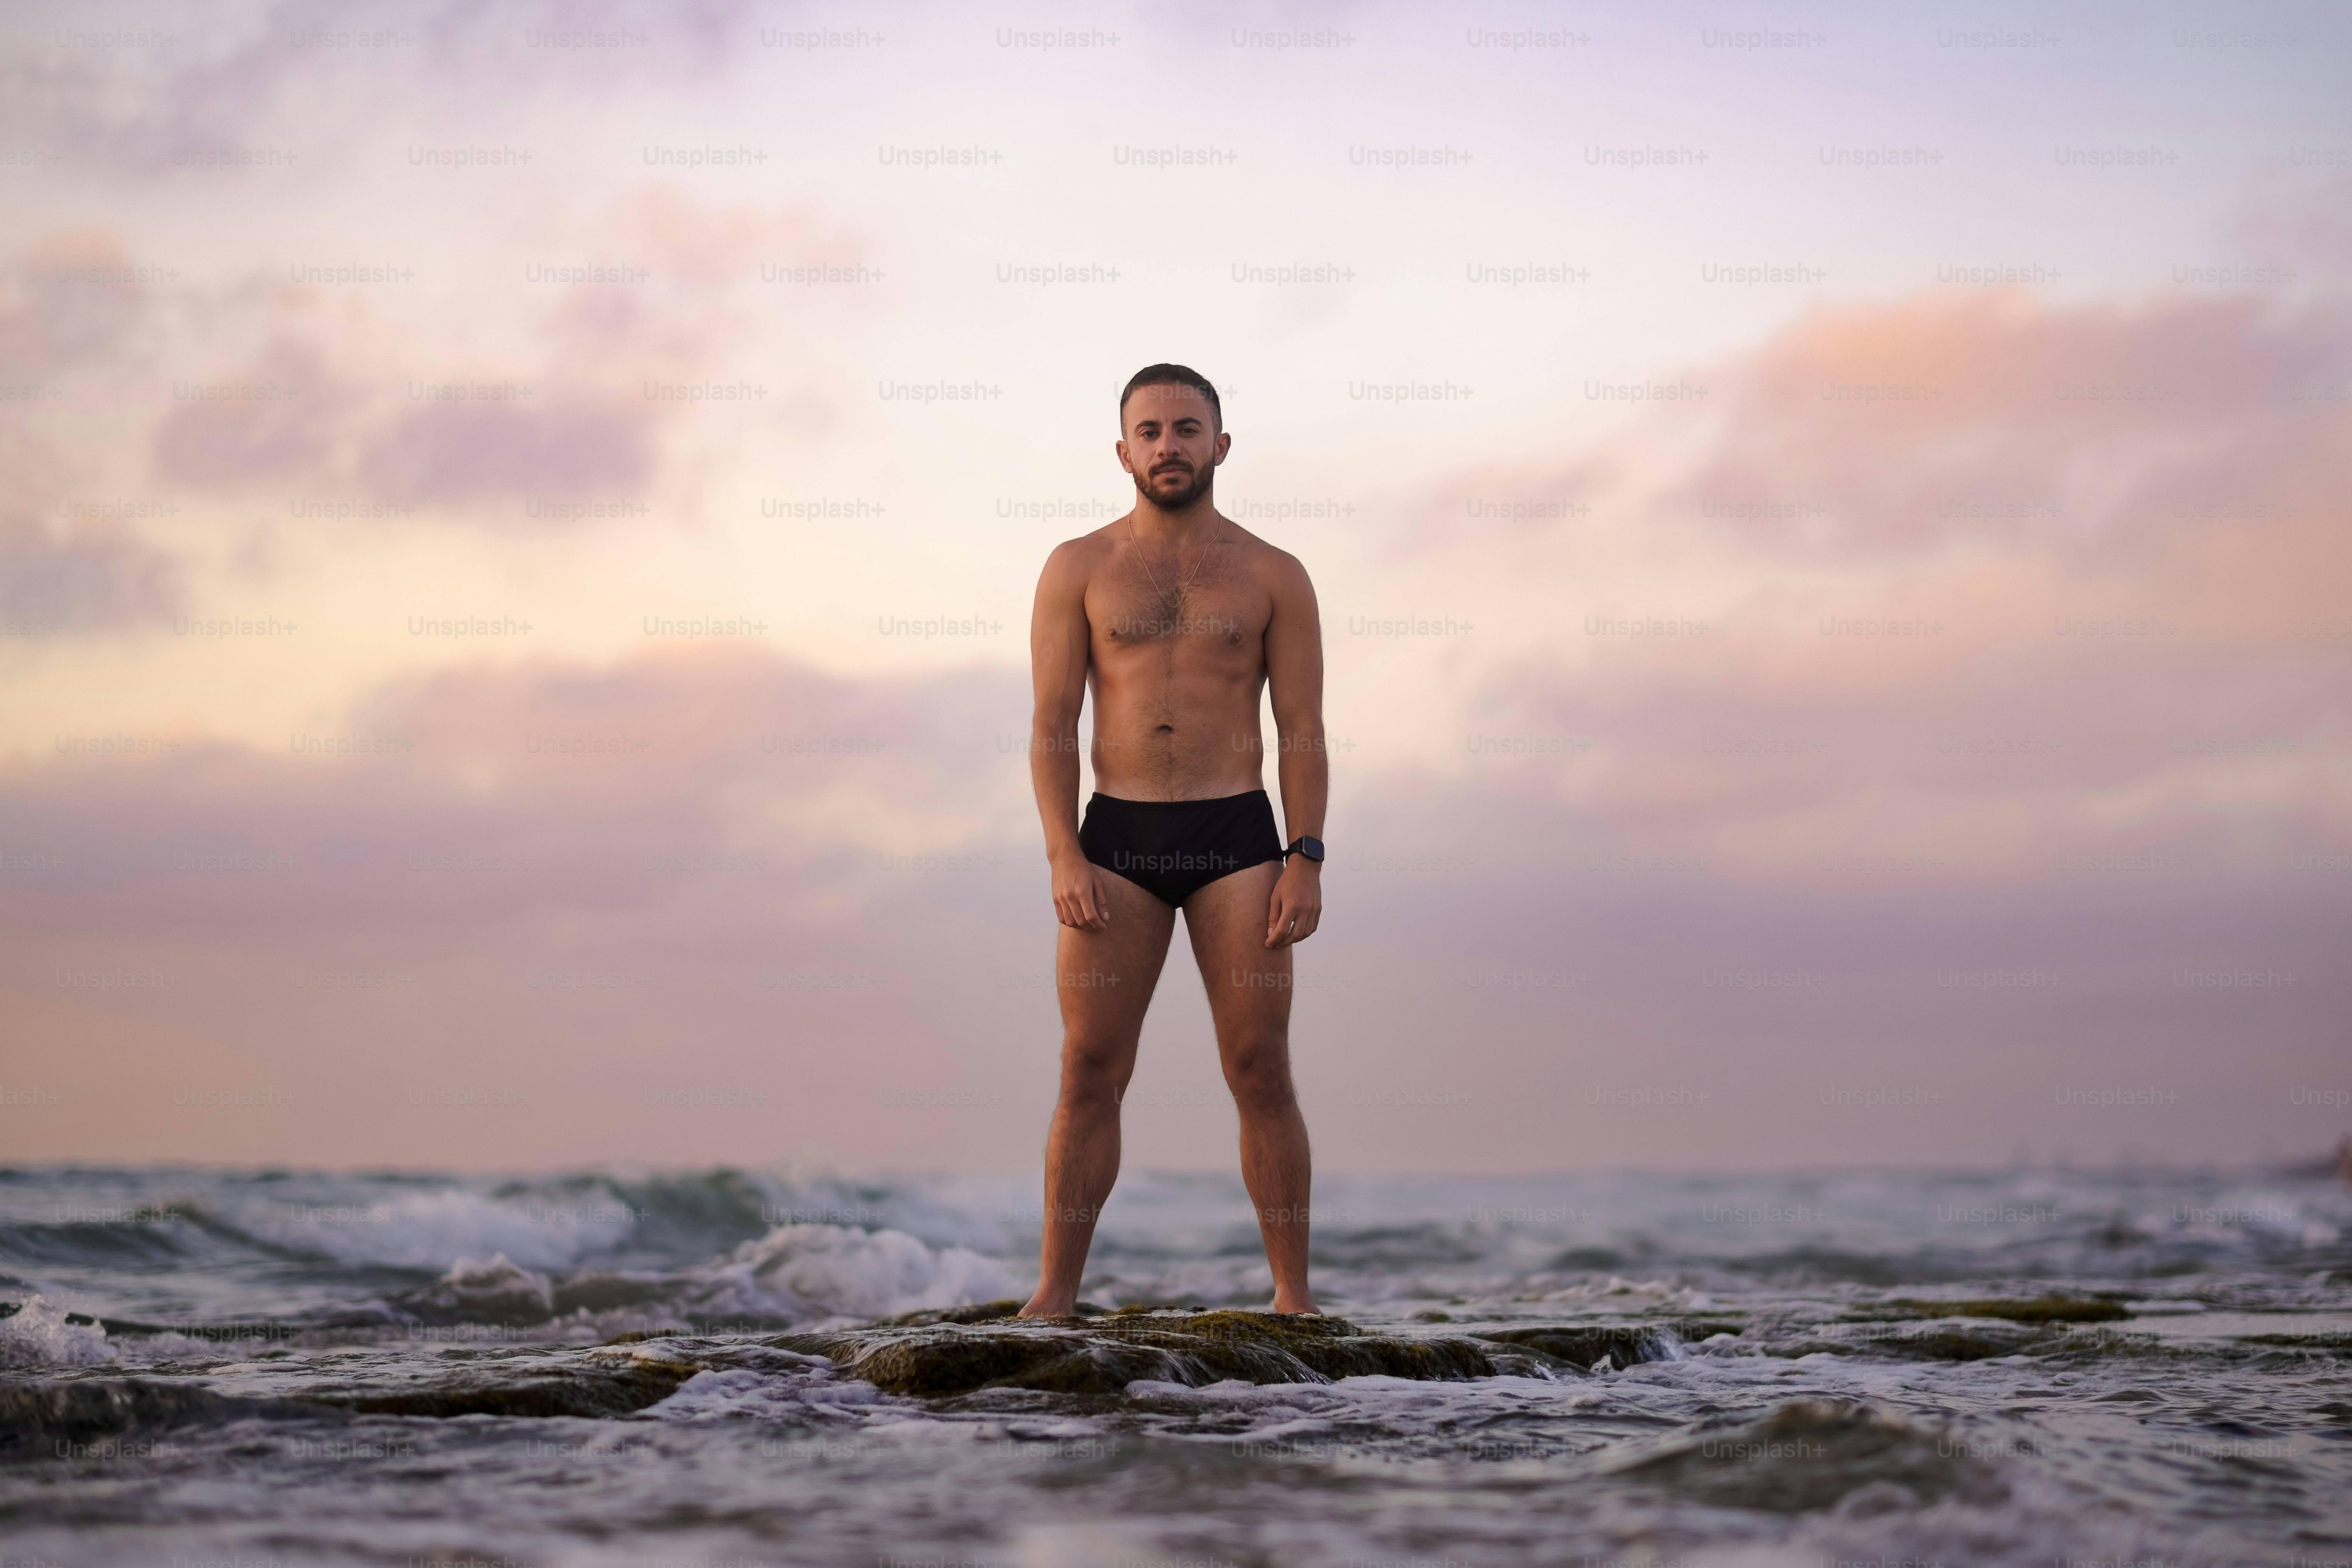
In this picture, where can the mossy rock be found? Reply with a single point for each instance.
(1228, 1323)
(639, 1336)
(88, 1409)
(1102, 1356)
(1434, 1360)
(2021, 1310)
(1948, 1340)
(594, 1390)
(1260, 1347)
(932, 1364)
(1100, 1369)
(1577, 1346)
(833, 1346)
(601, 1292)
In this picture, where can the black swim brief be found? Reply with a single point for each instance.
(1173, 849)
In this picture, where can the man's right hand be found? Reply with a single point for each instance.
(1079, 899)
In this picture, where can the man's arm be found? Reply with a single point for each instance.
(1058, 644)
(1294, 676)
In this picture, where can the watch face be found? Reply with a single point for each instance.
(1311, 848)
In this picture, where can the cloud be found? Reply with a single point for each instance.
(91, 578)
(1959, 637)
(454, 455)
(1988, 422)
(729, 868)
(279, 418)
(74, 297)
(1986, 470)
(590, 780)
(2290, 218)
(396, 397)
(449, 442)
(234, 77)
(683, 852)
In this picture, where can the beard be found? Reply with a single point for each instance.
(1176, 500)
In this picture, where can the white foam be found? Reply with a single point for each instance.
(38, 1335)
(766, 1394)
(428, 1229)
(825, 1273)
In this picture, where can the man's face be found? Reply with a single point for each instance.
(1173, 445)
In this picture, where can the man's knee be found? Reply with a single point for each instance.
(1257, 1069)
(1094, 1072)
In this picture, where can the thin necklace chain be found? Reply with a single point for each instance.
(1178, 601)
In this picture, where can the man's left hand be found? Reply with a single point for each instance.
(1297, 902)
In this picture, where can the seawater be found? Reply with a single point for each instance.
(286, 1367)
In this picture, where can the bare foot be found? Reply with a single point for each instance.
(1040, 1307)
(1297, 1306)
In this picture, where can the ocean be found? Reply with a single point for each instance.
(2128, 1368)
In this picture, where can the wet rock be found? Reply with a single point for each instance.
(233, 1334)
(2019, 1309)
(1577, 1346)
(35, 1415)
(1005, 1310)
(596, 1292)
(639, 1336)
(954, 1360)
(1955, 1339)
(1252, 1345)
(1103, 1355)
(1231, 1325)
(601, 1387)
(976, 1313)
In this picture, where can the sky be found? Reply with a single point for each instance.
(518, 523)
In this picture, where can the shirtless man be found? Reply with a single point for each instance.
(1177, 619)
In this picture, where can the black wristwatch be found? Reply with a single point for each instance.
(1309, 846)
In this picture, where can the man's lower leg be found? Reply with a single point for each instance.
(1278, 1170)
(1081, 1167)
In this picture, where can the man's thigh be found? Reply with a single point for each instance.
(1103, 979)
(1248, 985)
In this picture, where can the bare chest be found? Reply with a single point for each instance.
(1216, 614)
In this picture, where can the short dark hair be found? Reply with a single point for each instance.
(1172, 375)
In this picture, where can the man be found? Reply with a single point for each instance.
(1177, 619)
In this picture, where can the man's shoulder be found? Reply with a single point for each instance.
(1082, 553)
(1265, 557)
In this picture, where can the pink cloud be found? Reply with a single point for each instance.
(454, 455)
(277, 418)
(1988, 422)
(86, 578)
